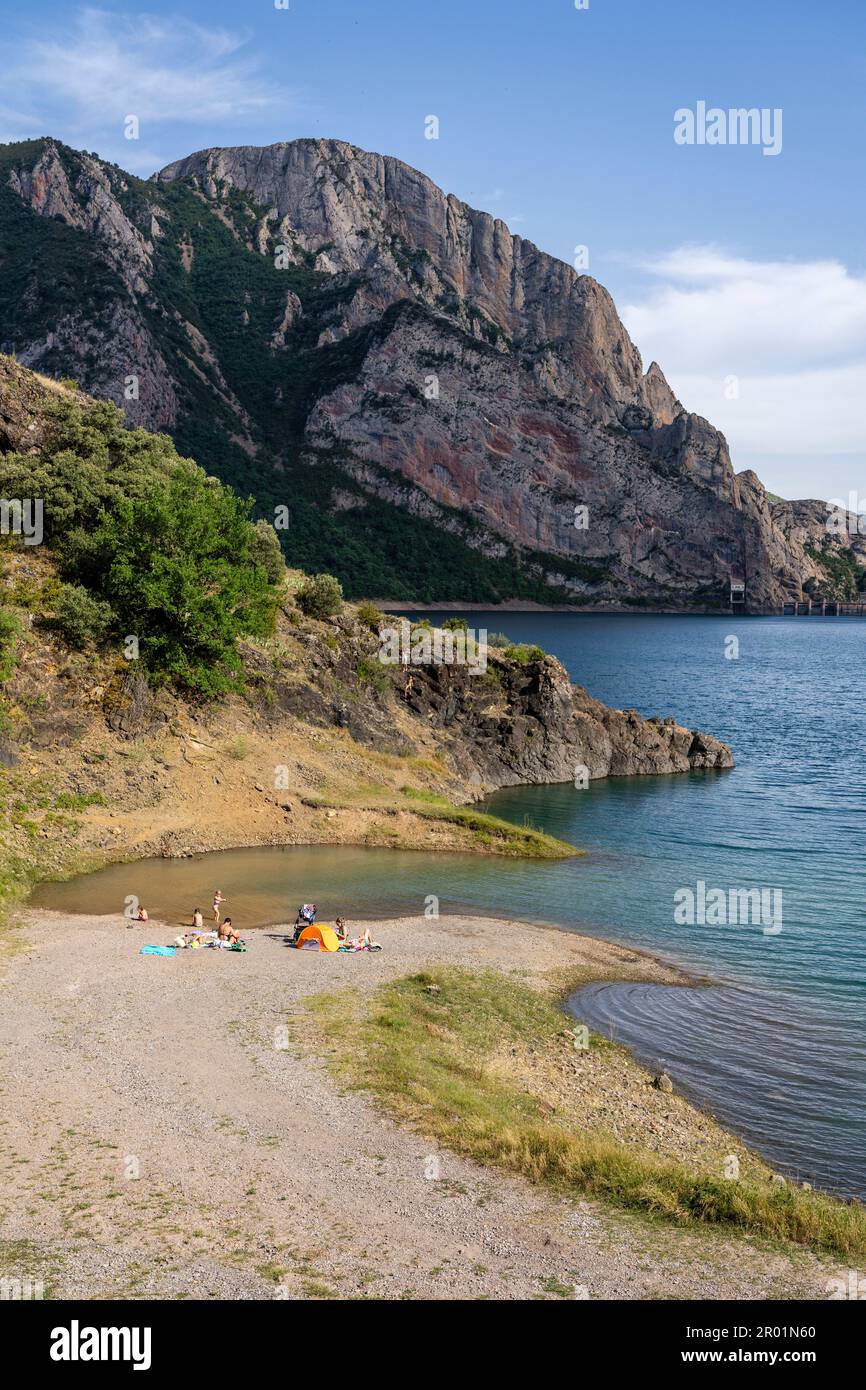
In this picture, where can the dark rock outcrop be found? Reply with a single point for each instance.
(528, 724)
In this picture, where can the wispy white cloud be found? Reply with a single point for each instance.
(82, 83)
(773, 352)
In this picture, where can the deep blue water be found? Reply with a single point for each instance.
(778, 1047)
(780, 1051)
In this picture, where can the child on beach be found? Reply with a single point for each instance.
(218, 900)
(197, 920)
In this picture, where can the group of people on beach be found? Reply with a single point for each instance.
(224, 929)
(306, 918)
(224, 933)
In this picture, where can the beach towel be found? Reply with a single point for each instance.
(158, 951)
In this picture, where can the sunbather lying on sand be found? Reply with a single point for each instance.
(361, 943)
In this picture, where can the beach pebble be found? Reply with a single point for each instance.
(662, 1082)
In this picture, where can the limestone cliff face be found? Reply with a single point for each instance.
(435, 364)
(364, 213)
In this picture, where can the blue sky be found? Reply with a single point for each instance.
(742, 273)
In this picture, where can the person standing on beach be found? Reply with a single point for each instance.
(218, 899)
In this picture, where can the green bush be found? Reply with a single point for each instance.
(524, 653)
(147, 536)
(178, 570)
(320, 596)
(266, 551)
(89, 464)
(371, 672)
(370, 615)
(498, 640)
(80, 618)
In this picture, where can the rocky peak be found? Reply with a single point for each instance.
(371, 213)
(81, 192)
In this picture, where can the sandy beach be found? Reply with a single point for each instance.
(169, 1132)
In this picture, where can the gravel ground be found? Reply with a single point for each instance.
(164, 1136)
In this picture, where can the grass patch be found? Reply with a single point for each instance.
(429, 1060)
(488, 834)
(500, 836)
(422, 794)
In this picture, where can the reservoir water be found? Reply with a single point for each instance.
(777, 1048)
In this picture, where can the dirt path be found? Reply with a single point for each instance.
(163, 1138)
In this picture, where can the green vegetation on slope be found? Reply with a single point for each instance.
(428, 1055)
(846, 578)
(158, 557)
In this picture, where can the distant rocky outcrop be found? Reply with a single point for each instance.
(326, 328)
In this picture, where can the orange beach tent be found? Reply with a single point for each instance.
(318, 938)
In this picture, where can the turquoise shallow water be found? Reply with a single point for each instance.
(778, 1048)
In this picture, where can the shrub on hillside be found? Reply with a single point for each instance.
(177, 568)
(320, 596)
(149, 536)
(372, 673)
(370, 615)
(266, 551)
(525, 653)
(498, 640)
(89, 464)
(80, 618)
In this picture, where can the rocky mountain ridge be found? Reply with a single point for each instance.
(447, 411)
